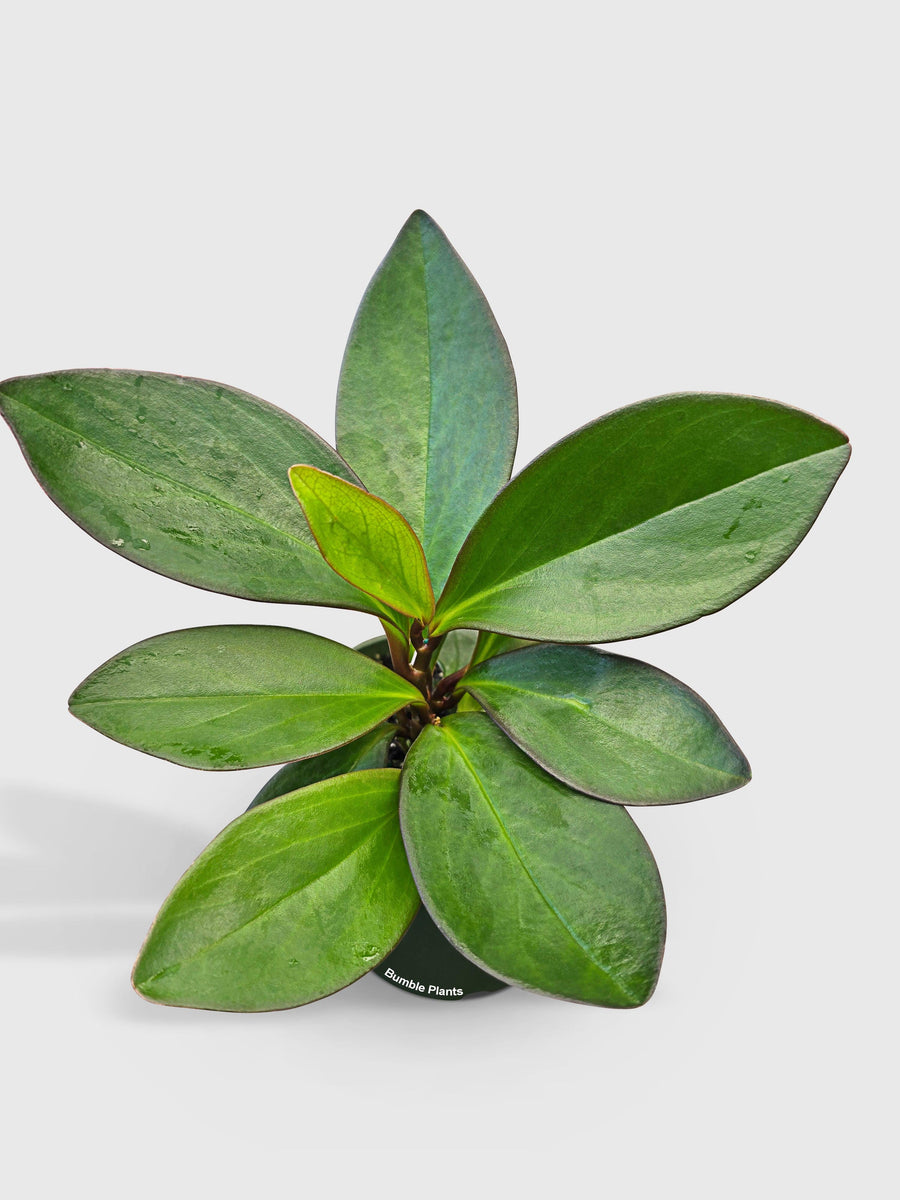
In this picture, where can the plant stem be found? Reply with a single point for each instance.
(400, 661)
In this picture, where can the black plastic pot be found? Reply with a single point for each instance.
(425, 964)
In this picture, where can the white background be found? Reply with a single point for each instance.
(655, 197)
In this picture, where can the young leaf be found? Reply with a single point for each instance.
(228, 696)
(425, 357)
(645, 519)
(610, 726)
(366, 541)
(540, 885)
(292, 901)
(182, 476)
(364, 754)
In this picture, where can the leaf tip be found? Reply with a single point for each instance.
(420, 217)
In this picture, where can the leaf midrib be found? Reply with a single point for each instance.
(543, 896)
(373, 827)
(399, 582)
(624, 733)
(473, 598)
(153, 473)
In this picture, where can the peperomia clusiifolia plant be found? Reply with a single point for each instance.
(479, 756)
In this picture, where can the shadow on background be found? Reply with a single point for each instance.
(81, 876)
(84, 877)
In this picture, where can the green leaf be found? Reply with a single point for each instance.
(427, 362)
(456, 650)
(608, 725)
(182, 476)
(364, 754)
(491, 644)
(292, 901)
(229, 696)
(645, 519)
(540, 885)
(366, 541)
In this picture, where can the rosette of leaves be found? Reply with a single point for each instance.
(481, 759)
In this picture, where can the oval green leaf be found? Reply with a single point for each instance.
(224, 697)
(610, 726)
(645, 519)
(366, 541)
(292, 901)
(425, 357)
(540, 885)
(183, 476)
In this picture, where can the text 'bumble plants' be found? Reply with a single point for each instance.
(477, 759)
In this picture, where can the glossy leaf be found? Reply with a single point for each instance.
(645, 519)
(427, 396)
(540, 885)
(182, 476)
(228, 696)
(292, 901)
(366, 541)
(608, 725)
(367, 753)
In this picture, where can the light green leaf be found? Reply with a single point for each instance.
(228, 696)
(608, 725)
(540, 885)
(366, 541)
(426, 361)
(182, 476)
(292, 901)
(645, 519)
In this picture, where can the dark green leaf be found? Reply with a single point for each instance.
(366, 541)
(364, 754)
(540, 885)
(427, 396)
(610, 726)
(645, 519)
(183, 476)
(456, 650)
(292, 901)
(230, 696)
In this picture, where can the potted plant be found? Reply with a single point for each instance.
(464, 779)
